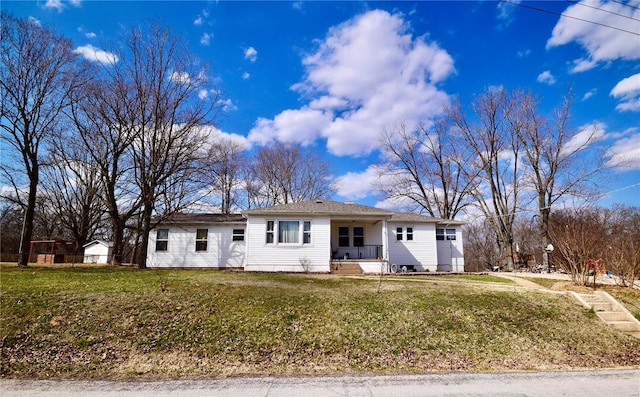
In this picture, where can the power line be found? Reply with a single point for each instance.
(525, 211)
(602, 9)
(567, 16)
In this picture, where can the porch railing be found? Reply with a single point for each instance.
(369, 252)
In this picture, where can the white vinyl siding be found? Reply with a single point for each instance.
(450, 252)
(288, 257)
(420, 251)
(221, 250)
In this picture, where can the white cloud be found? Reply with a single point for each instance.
(90, 35)
(628, 92)
(586, 135)
(54, 4)
(198, 21)
(291, 126)
(214, 135)
(625, 153)
(245, 76)
(582, 65)
(546, 77)
(251, 54)
(357, 185)
(523, 53)
(205, 39)
(589, 94)
(59, 5)
(95, 54)
(368, 72)
(602, 42)
(180, 77)
(506, 13)
(35, 21)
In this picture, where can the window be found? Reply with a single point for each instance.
(358, 237)
(238, 235)
(445, 234)
(288, 232)
(162, 239)
(306, 233)
(409, 234)
(450, 234)
(343, 236)
(201, 239)
(270, 232)
(398, 234)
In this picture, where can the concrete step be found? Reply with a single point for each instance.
(625, 326)
(610, 312)
(601, 306)
(612, 316)
(591, 298)
(345, 268)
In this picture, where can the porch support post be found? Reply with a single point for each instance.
(385, 242)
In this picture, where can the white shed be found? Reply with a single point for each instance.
(98, 251)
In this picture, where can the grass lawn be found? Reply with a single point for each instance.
(125, 323)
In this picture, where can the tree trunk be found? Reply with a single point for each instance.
(27, 226)
(144, 240)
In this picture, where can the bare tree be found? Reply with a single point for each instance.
(479, 247)
(621, 246)
(496, 161)
(426, 167)
(173, 100)
(579, 236)
(104, 134)
(37, 71)
(222, 167)
(556, 162)
(74, 197)
(283, 173)
(142, 122)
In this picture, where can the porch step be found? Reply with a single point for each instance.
(610, 312)
(345, 268)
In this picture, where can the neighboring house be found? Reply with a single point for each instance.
(313, 236)
(98, 251)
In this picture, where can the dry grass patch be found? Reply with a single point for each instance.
(120, 323)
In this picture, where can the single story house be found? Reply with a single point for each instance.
(98, 251)
(308, 236)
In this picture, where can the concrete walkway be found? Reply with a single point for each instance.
(522, 281)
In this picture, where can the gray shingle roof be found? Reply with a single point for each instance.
(411, 217)
(334, 208)
(320, 207)
(195, 218)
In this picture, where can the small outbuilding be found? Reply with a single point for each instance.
(98, 251)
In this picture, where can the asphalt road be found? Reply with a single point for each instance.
(618, 383)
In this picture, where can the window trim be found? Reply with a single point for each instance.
(273, 235)
(200, 241)
(296, 235)
(164, 240)
(306, 232)
(399, 232)
(445, 234)
(361, 236)
(270, 233)
(236, 235)
(344, 236)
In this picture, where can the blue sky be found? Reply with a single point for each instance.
(332, 74)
